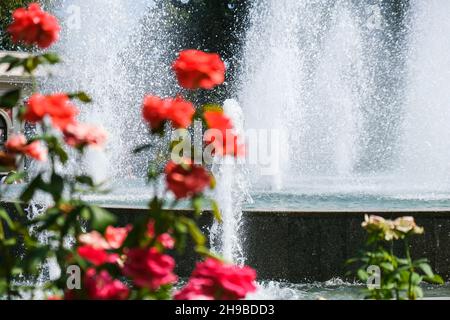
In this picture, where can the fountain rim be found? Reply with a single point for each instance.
(307, 213)
(436, 213)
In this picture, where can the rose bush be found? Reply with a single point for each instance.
(400, 276)
(132, 261)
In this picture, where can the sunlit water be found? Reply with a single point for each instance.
(136, 194)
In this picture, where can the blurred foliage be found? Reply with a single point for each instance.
(213, 26)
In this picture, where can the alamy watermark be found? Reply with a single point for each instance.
(374, 279)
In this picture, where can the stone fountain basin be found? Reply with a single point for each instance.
(299, 246)
(313, 245)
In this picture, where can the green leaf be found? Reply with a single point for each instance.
(142, 148)
(56, 186)
(87, 180)
(387, 266)
(180, 227)
(5, 216)
(362, 275)
(31, 63)
(11, 242)
(197, 205)
(8, 59)
(15, 177)
(216, 211)
(51, 58)
(425, 267)
(101, 218)
(152, 173)
(48, 221)
(137, 233)
(61, 153)
(205, 252)
(28, 193)
(10, 99)
(418, 293)
(82, 96)
(437, 279)
(416, 278)
(212, 107)
(196, 234)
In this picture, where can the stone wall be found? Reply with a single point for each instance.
(304, 247)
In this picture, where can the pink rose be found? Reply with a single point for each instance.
(101, 286)
(17, 144)
(116, 236)
(149, 268)
(36, 151)
(80, 135)
(164, 239)
(216, 280)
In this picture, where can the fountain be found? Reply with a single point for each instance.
(340, 83)
(349, 87)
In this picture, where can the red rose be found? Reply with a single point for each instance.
(80, 135)
(218, 120)
(96, 256)
(36, 108)
(101, 286)
(197, 69)
(216, 280)
(149, 268)
(156, 111)
(57, 106)
(221, 135)
(186, 179)
(180, 112)
(61, 110)
(34, 26)
(17, 144)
